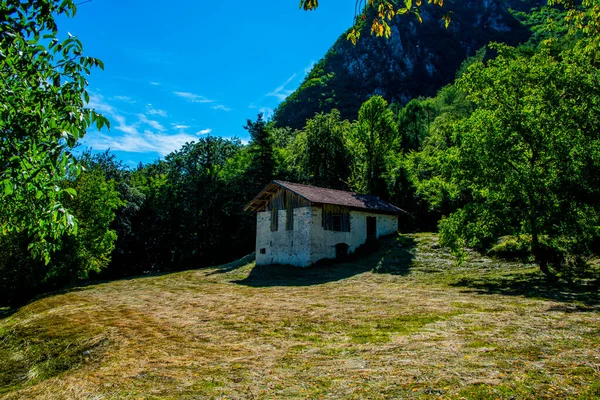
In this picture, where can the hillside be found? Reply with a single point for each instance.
(400, 323)
(417, 60)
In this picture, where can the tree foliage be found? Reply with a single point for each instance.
(372, 139)
(511, 149)
(42, 115)
(262, 166)
(529, 154)
(79, 255)
(320, 153)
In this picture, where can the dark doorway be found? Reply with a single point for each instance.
(341, 251)
(371, 228)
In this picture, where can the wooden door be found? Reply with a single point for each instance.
(371, 228)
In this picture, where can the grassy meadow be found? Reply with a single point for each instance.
(402, 322)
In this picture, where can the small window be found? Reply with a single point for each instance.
(263, 251)
(336, 220)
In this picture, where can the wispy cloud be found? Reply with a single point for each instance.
(281, 93)
(155, 111)
(123, 125)
(141, 142)
(155, 83)
(266, 111)
(204, 132)
(125, 99)
(221, 107)
(181, 126)
(154, 124)
(98, 103)
(131, 138)
(193, 98)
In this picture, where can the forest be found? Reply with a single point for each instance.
(505, 160)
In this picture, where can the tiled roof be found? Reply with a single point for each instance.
(317, 195)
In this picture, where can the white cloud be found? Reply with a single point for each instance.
(155, 111)
(125, 99)
(281, 93)
(221, 107)
(123, 126)
(155, 83)
(181, 126)
(204, 132)
(143, 142)
(131, 138)
(193, 98)
(98, 103)
(154, 124)
(266, 111)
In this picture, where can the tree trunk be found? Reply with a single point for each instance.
(538, 252)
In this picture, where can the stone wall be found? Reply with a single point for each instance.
(309, 242)
(283, 246)
(323, 242)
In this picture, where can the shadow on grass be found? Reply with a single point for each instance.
(398, 260)
(6, 310)
(222, 269)
(388, 255)
(535, 285)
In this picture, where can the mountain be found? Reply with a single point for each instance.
(417, 60)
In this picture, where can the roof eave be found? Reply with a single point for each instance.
(364, 209)
(252, 207)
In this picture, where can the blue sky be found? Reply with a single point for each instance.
(175, 71)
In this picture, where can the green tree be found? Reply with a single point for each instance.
(89, 250)
(262, 167)
(370, 142)
(322, 152)
(414, 122)
(42, 115)
(24, 276)
(529, 155)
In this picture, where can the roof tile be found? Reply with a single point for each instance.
(339, 197)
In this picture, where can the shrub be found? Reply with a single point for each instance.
(512, 248)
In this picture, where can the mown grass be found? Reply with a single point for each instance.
(403, 322)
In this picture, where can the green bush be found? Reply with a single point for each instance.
(512, 248)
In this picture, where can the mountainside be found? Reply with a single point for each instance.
(417, 60)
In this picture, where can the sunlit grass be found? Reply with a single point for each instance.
(418, 327)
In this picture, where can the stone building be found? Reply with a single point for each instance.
(300, 224)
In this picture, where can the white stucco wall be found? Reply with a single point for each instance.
(283, 246)
(309, 242)
(387, 225)
(323, 242)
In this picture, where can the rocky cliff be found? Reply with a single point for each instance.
(417, 60)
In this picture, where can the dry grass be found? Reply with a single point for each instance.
(415, 328)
